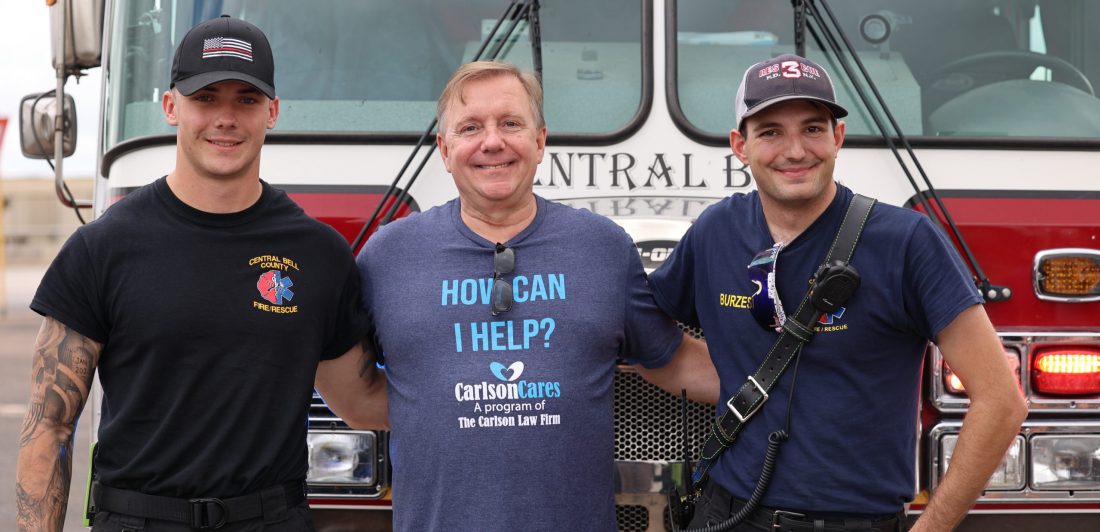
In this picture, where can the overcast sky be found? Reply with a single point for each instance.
(25, 68)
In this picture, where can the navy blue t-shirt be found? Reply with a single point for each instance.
(854, 416)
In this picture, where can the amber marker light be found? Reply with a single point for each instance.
(1068, 275)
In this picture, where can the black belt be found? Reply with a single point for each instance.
(202, 513)
(784, 521)
(777, 520)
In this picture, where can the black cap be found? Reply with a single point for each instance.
(222, 49)
(787, 77)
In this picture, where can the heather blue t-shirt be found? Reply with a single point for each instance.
(505, 423)
(853, 421)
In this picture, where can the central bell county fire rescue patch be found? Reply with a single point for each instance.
(274, 284)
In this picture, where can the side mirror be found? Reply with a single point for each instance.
(76, 34)
(37, 115)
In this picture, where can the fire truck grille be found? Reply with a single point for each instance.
(648, 421)
(697, 332)
(632, 518)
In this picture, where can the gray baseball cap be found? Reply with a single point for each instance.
(787, 77)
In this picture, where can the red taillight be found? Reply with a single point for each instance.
(1062, 371)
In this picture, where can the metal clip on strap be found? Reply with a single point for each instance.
(201, 513)
(753, 407)
(798, 329)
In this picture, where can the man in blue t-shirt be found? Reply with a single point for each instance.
(501, 317)
(848, 463)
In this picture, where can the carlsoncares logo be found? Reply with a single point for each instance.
(511, 388)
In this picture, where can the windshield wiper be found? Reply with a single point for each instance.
(834, 36)
(517, 11)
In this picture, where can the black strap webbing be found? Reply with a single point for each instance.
(202, 513)
(798, 329)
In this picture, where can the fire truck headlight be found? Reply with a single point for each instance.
(1008, 476)
(341, 457)
(1065, 462)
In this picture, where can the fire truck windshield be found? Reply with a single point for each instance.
(947, 68)
(377, 66)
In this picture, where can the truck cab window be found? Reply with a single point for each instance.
(331, 53)
(985, 68)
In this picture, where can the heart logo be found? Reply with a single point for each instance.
(513, 371)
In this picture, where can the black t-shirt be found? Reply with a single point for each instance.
(212, 325)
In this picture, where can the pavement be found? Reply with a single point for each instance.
(18, 328)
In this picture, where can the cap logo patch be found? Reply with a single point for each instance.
(790, 69)
(226, 47)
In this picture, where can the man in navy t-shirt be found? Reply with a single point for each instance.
(848, 463)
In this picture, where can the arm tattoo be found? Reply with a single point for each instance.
(61, 377)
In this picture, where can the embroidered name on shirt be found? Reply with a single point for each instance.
(734, 300)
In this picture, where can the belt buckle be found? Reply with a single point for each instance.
(200, 515)
(777, 514)
(760, 403)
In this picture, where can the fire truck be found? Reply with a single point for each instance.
(982, 114)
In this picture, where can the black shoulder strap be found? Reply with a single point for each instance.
(851, 228)
(797, 331)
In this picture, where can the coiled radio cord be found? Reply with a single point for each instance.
(775, 439)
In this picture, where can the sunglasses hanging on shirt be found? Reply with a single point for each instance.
(504, 261)
(766, 306)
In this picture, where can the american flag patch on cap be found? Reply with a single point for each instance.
(226, 47)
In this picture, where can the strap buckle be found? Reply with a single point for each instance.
(779, 514)
(763, 399)
(201, 510)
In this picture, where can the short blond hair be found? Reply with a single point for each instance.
(477, 70)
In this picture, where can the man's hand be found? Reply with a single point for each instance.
(690, 369)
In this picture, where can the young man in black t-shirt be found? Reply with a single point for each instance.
(206, 300)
